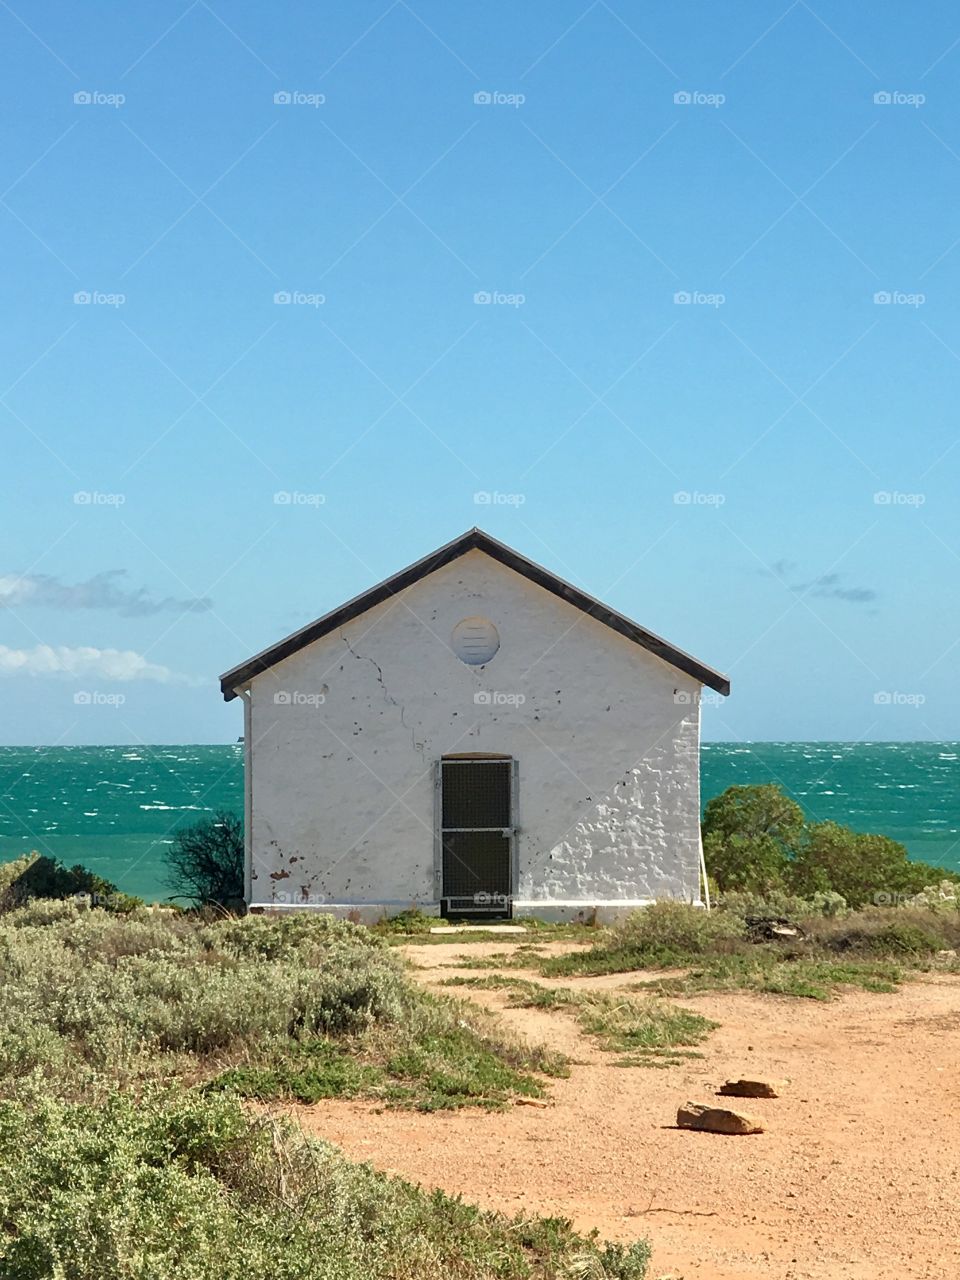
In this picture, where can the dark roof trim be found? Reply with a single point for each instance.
(473, 540)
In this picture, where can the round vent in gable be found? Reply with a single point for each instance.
(475, 641)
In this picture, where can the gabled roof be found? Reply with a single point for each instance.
(472, 540)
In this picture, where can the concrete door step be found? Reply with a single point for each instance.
(478, 928)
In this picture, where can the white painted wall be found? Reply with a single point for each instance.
(607, 738)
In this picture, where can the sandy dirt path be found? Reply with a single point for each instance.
(856, 1178)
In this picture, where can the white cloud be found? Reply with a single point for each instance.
(102, 591)
(62, 660)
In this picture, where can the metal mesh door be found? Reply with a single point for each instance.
(476, 836)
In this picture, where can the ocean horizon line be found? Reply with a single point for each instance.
(705, 742)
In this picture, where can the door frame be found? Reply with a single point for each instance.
(477, 758)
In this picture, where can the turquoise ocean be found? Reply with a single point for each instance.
(116, 809)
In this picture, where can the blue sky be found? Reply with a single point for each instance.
(715, 382)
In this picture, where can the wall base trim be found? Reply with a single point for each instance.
(555, 911)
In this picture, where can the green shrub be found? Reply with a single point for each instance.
(38, 877)
(755, 841)
(754, 864)
(749, 834)
(188, 1188)
(865, 869)
(299, 934)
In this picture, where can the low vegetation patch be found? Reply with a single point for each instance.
(522, 957)
(663, 936)
(873, 949)
(767, 972)
(300, 1007)
(908, 933)
(185, 1187)
(617, 1022)
(657, 1058)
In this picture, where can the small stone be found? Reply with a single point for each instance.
(696, 1115)
(751, 1087)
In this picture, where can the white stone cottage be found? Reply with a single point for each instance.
(473, 736)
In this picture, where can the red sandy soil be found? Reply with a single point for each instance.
(856, 1177)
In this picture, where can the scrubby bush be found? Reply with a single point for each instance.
(88, 1000)
(863, 868)
(905, 933)
(749, 835)
(659, 936)
(181, 1187)
(777, 905)
(39, 877)
(944, 895)
(755, 841)
(206, 862)
(677, 927)
(413, 921)
(120, 993)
